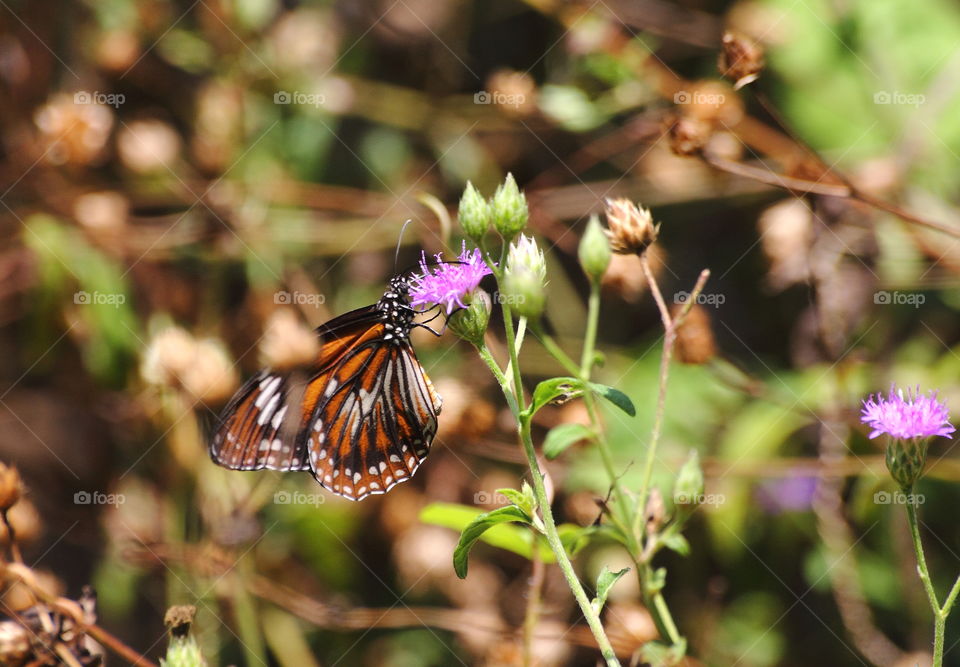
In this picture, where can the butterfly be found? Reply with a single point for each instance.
(361, 418)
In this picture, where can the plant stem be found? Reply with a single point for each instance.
(540, 491)
(663, 611)
(939, 615)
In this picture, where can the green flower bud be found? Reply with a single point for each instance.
(524, 278)
(594, 250)
(474, 213)
(906, 459)
(688, 489)
(508, 207)
(470, 323)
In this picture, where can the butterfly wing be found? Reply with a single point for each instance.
(374, 421)
(362, 422)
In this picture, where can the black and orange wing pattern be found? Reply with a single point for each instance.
(361, 420)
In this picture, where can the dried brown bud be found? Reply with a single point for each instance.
(688, 136)
(10, 487)
(695, 342)
(179, 618)
(655, 511)
(630, 227)
(741, 59)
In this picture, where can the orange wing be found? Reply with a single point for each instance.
(367, 413)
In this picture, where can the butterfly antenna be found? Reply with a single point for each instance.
(396, 255)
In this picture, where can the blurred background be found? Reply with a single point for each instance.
(178, 178)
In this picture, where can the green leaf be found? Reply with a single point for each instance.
(616, 397)
(491, 527)
(562, 436)
(662, 655)
(481, 524)
(605, 582)
(520, 499)
(676, 542)
(657, 580)
(554, 388)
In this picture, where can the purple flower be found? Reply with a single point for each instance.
(915, 416)
(447, 283)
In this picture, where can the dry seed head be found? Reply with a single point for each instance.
(741, 59)
(630, 227)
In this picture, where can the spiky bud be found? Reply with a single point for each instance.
(524, 278)
(474, 213)
(508, 208)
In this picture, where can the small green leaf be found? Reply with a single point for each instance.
(519, 499)
(478, 527)
(562, 436)
(605, 582)
(554, 388)
(657, 580)
(676, 542)
(661, 655)
(616, 397)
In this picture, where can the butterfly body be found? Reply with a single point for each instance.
(361, 418)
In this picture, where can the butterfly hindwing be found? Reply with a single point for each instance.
(252, 434)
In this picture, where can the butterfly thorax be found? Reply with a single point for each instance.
(394, 306)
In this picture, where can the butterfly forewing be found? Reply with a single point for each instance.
(362, 419)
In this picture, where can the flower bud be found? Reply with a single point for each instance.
(474, 213)
(688, 489)
(470, 323)
(10, 487)
(508, 208)
(524, 278)
(906, 459)
(594, 250)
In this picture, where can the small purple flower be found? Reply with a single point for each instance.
(447, 283)
(915, 416)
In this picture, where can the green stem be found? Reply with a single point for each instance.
(663, 611)
(540, 491)
(939, 615)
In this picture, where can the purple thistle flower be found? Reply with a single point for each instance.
(915, 416)
(446, 284)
